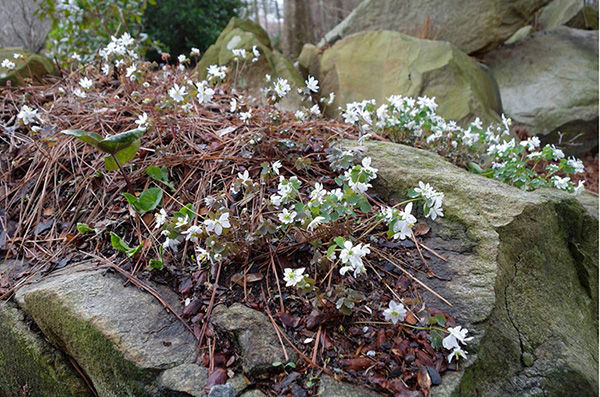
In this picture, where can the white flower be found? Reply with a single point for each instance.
(16, 55)
(142, 121)
(201, 255)
(315, 110)
(255, 53)
(195, 51)
(366, 164)
(293, 276)
(276, 200)
(217, 225)
(436, 210)
(216, 72)
(246, 116)
(456, 335)
(579, 188)
(177, 93)
(281, 87)
(171, 243)
(28, 115)
(300, 115)
(576, 164)
(86, 83)
(560, 183)
(312, 84)
(182, 221)
(160, 218)
(557, 153)
(402, 228)
(395, 312)
(457, 352)
(205, 93)
(239, 53)
(267, 77)
(233, 105)
(192, 233)
(79, 92)
(129, 72)
(181, 58)
(276, 166)
(245, 177)
(352, 257)
(314, 223)
(76, 56)
(286, 217)
(8, 64)
(105, 69)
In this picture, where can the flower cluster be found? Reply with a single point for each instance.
(456, 337)
(352, 258)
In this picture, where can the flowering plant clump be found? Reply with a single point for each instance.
(415, 122)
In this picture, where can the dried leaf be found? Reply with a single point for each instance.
(421, 229)
(357, 363)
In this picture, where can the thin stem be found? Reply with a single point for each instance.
(129, 189)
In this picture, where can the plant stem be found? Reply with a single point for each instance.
(129, 189)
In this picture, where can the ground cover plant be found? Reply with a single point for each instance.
(226, 201)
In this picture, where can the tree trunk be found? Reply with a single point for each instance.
(298, 26)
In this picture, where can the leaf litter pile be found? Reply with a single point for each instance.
(52, 182)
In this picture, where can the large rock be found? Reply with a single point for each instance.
(574, 13)
(31, 66)
(524, 277)
(120, 336)
(549, 83)
(29, 364)
(471, 25)
(242, 33)
(379, 64)
(255, 336)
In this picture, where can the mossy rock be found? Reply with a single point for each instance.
(120, 336)
(524, 276)
(29, 364)
(250, 76)
(31, 66)
(377, 64)
(573, 13)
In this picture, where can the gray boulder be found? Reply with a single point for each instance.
(471, 25)
(549, 83)
(524, 277)
(378, 64)
(579, 14)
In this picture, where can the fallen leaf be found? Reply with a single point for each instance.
(217, 377)
(289, 320)
(424, 380)
(238, 278)
(356, 364)
(421, 229)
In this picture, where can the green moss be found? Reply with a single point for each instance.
(29, 363)
(111, 373)
(32, 66)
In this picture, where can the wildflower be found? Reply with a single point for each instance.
(129, 72)
(576, 164)
(276, 166)
(16, 55)
(245, 116)
(194, 52)
(217, 225)
(79, 93)
(201, 255)
(579, 188)
(560, 183)
(456, 335)
(395, 312)
(245, 177)
(86, 83)
(192, 233)
(181, 58)
(315, 222)
(105, 69)
(402, 228)
(457, 352)
(76, 56)
(281, 87)
(286, 217)
(276, 200)
(177, 93)
(182, 221)
(312, 84)
(233, 105)
(160, 218)
(28, 115)
(293, 276)
(315, 110)
(142, 121)
(435, 210)
(256, 54)
(216, 72)
(205, 93)
(239, 53)
(8, 64)
(352, 257)
(557, 153)
(300, 115)
(171, 243)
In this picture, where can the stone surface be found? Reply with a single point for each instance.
(549, 83)
(21, 27)
(120, 336)
(253, 393)
(29, 364)
(379, 64)
(471, 25)
(242, 33)
(524, 277)
(520, 34)
(332, 388)
(225, 390)
(254, 333)
(185, 378)
(573, 13)
(33, 66)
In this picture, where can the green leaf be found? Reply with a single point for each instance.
(161, 175)
(156, 264)
(412, 193)
(440, 319)
(330, 250)
(124, 155)
(339, 240)
(474, 167)
(186, 210)
(150, 199)
(132, 251)
(90, 138)
(118, 243)
(277, 364)
(364, 205)
(84, 228)
(113, 144)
